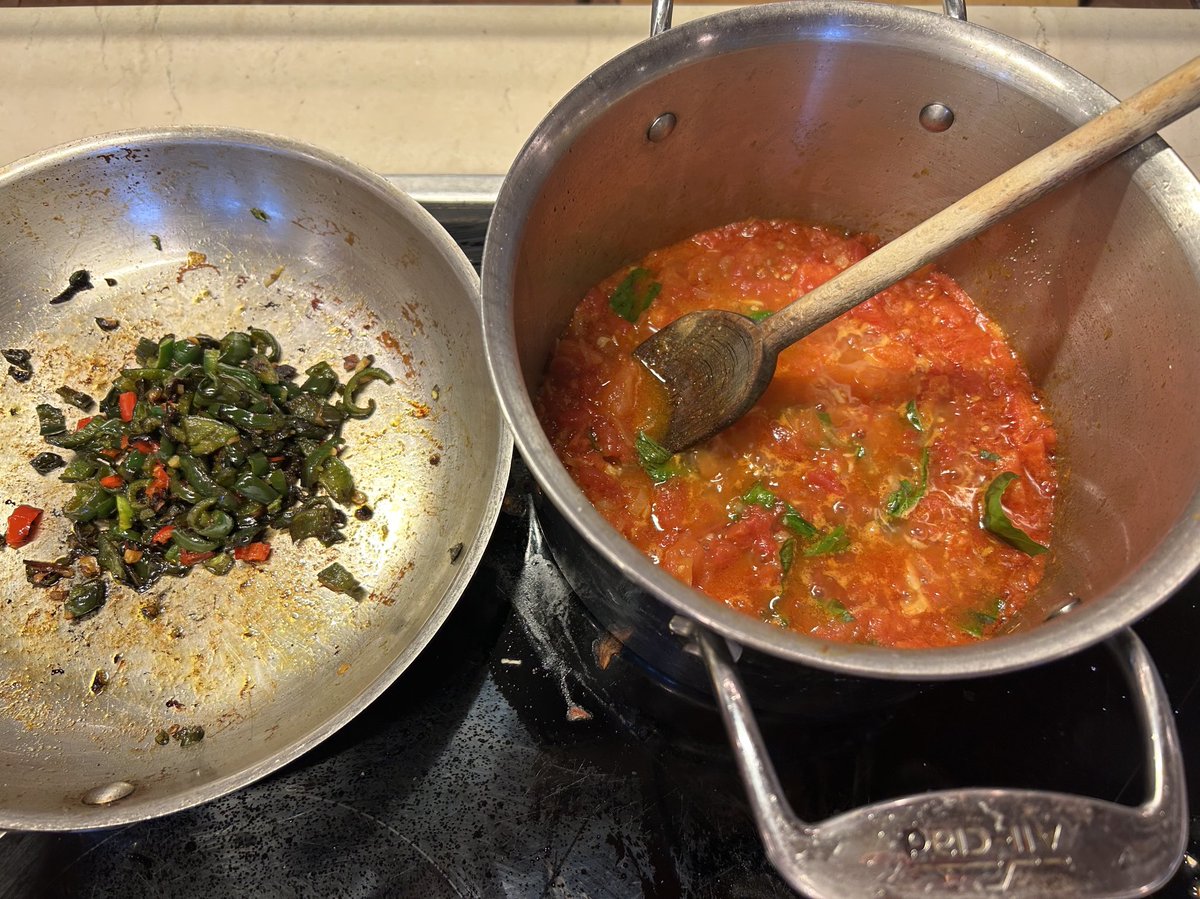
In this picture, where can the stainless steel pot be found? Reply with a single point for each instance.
(873, 118)
(203, 230)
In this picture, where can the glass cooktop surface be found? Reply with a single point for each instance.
(523, 755)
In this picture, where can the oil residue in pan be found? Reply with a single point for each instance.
(206, 649)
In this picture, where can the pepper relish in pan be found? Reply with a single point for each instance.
(894, 485)
(195, 456)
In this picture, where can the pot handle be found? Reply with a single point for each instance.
(660, 13)
(1024, 843)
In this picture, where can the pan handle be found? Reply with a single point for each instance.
(1026, 844)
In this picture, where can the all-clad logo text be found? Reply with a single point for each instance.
(991, 859)
(1021, 839)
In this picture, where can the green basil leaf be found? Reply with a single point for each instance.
(910, 413)
(634, 295)
(830, 544)
(758, 495)
(904, 498)
(657, 461)
(996, 520)
(787, 555)
(798, 524)
(976, 621)
(835, 610)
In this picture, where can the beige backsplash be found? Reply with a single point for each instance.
(418, 89)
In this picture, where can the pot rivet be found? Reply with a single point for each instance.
(660, 129)
(1071, 603)
(936, 117)
(108, 793)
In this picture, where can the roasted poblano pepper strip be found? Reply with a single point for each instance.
(146, 351)
(185, 352)
(321, 380)
(44, 463)
(91, 501)
(356, 383)
(85, 597)
(166, 348)
(221, 563)
(207, 435)
(196, 474)
(193, 543)
(97, 431)
(336, 578)
(317, 518)
(266, 344)
(208, 521)
(315, 460)
(236, 347)
(335, 477)
(253, 421)
(76, 398)
(50, 420)
(255, 488)
(204, 447)
(79, 469)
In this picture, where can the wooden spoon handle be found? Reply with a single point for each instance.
(1118, 129)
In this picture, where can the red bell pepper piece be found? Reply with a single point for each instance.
(159, 480)
(163, 534)
(127, 401)
(83, 422)
(253, 552)
(20, 525)
(112, 482)
(189, 559)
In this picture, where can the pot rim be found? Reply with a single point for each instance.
(1154, 167)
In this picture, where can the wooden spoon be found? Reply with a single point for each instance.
(716, 364)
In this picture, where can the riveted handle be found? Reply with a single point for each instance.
(1027, 844)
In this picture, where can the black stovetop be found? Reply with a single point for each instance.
(505, 762)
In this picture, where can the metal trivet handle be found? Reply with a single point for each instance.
(1022, 843)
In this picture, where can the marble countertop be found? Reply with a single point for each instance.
(419, 89)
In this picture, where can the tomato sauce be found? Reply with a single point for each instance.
(850, 503)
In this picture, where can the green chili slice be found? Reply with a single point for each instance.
(50, 420)
(85, 597)
(216, 447)
(336, 578)
(356, 383)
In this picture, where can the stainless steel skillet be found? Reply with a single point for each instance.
(206, 230)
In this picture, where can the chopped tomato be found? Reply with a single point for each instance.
(163, 534)
(20, 525)
(846, 503)
(189, 558)
(127, 401)
(83, 422)
(253, 552)
(112, 482)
